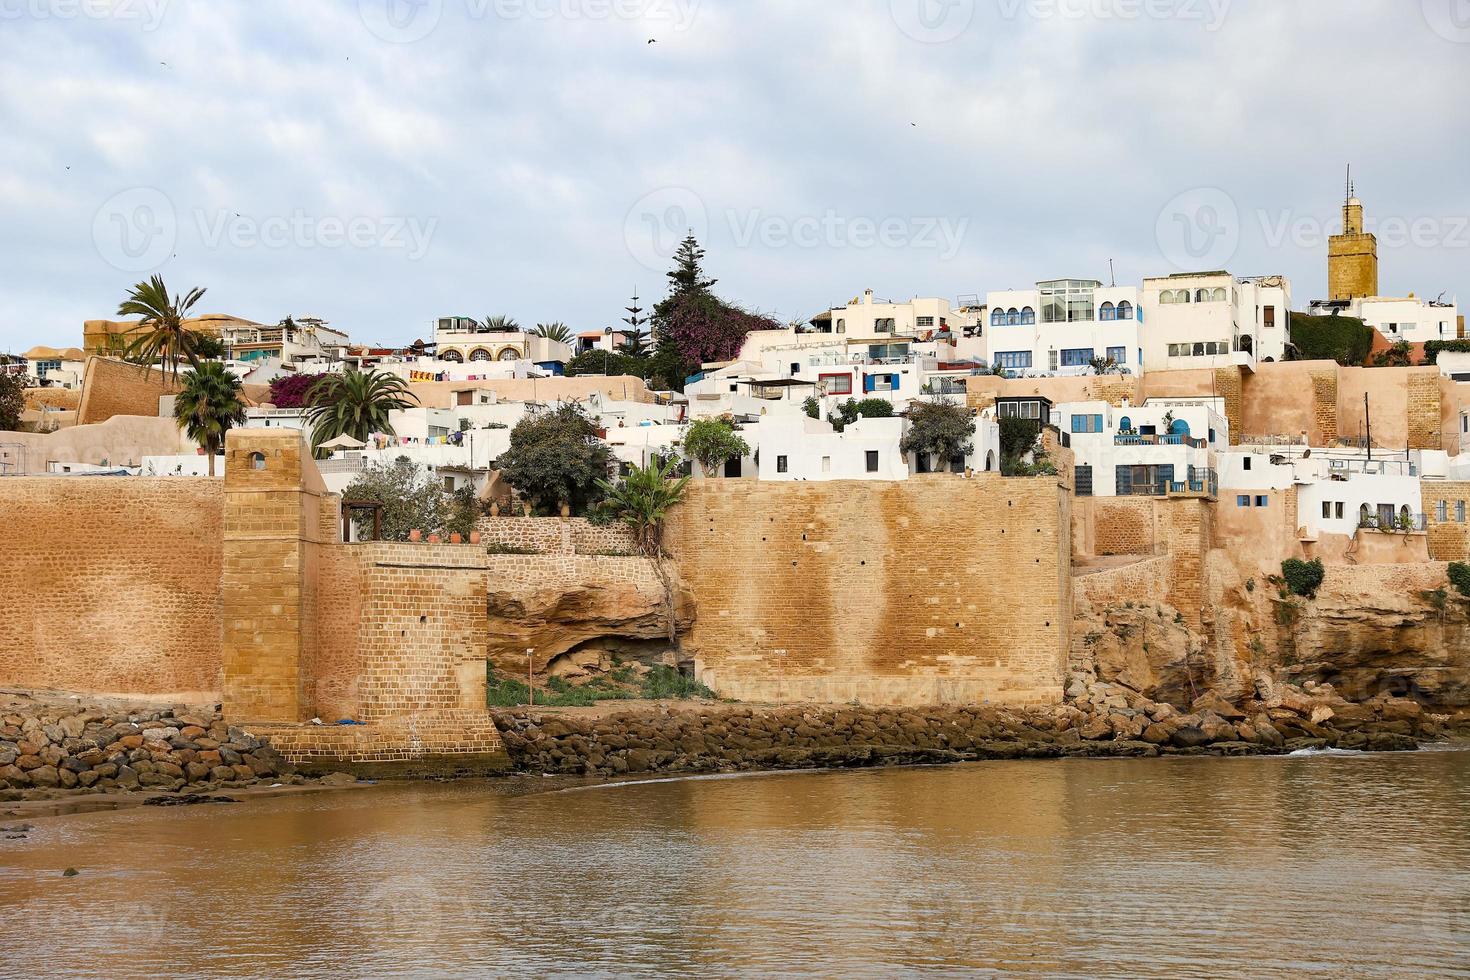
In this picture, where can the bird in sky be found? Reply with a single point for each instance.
(653, 40)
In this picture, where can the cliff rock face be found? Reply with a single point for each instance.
(1371, 630)
(610, 599)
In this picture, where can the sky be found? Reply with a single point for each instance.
(382, 163)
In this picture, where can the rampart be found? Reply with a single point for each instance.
(939, 589)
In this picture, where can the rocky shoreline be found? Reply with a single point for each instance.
(51, 750)
(1103, 721)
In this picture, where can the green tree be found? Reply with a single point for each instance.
(12, 401)
(354, 403)
(636, 345)
(643, 498)
(600, 362)
(556, 456)
(411, 501)
(208, 347)
(500, 324)
(1343, 339)
(688, 276)
(209, 405)
(849, 411)
(713, 442)
(1018, 438)
(556, 330)
(812, 406)
(1400, 354)
(162, 336)
(941, 429)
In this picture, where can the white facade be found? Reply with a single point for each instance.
(795, 448)
(1167, 445)
(463, 340)
(1061, 325)
(1410, 319)
(1214, 319)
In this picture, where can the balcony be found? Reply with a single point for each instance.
(1202, 482)
(1170, 439)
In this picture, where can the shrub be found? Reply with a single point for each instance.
(410, 501)
(940, 429)
(812, 407)
(666, 683)
(1460, 577)
(1343, 339)
(1302, 578)
(1019, 437)
(1433, 347)
(713, 442)
(849, 411)
(554, 456)
(12, 401)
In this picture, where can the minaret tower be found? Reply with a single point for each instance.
(1352, 257)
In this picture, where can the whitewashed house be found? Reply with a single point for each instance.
(1165, 447)
(1062, 325)
(1214, 319)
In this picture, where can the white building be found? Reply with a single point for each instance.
(463, 340)
(1062, 325)
(292, 341)
(1214, 319)
(867, 317)
(56, 367)
(1167, 446)
(1408, 318)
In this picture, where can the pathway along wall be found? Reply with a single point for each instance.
(938, 589)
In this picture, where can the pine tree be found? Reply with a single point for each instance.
(637, 343)
(687, 275)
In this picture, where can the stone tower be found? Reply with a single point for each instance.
(1352, 257)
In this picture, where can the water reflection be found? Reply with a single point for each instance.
(1333, 865)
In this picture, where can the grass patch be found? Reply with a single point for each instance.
(620, 684)
(496, 548)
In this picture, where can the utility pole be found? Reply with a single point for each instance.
(1368, 421)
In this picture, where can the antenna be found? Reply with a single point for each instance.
(1112, 276)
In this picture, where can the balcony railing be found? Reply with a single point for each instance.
(1400, 524)
(1169, 439)
(1202, 482)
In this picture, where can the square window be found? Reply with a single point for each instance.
(1441, 510)
(1460, 511)
(1247, 463)
(826, 464)
(1327, 510)
(780, 464)
(872, 456)
(1338, 509)
(1261, 501)
(1242, 500)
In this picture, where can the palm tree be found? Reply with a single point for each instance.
(500, 324)
(557, 331)
(161, 336)
(642, 500)
(354, 403)
(208, 406)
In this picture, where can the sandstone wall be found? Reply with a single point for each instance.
(555, 536)
(111, 585)
(1449, 539)
(937, 589)
(1147, 580)
(111, 387)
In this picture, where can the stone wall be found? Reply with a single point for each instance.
(1147, 580)
(121, 440)
(1115, 526)
(557, 536)
(1449, 539)
(111, 387)
(111, 585)
(937, 589)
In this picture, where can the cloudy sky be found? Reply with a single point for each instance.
(383, 162)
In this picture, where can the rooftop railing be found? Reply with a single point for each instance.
(1170, 439)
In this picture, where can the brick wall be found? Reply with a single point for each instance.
(1449, 539)
(932, 590)
(1230, 386)
(1121, 525)
(1423, 411)
(555, 536)
(111, 585)
(1146, 580)
(111, 387)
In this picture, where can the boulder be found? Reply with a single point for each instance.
(1212, 701)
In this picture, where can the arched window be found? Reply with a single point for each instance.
(1179, 427)
(842, 326)
(997, 318)
(1217, 295)
(1125, 423)
(989, 460)
(1013, 317)
(479, 354)
(1201, 295)
(1166, 297)
(1028, 316)
(1363, 514)
(510, 354)
(1107, 312)
(257, 461)
(452, 356)
(1406, 518)
(1125, 310)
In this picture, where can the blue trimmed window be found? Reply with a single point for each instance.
(1118, 354)
(1087, 423)
(1013, 359)
(1077, 356)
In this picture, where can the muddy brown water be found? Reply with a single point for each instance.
(1326, 865)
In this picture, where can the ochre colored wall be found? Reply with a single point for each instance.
(440, 394)
(935, 589)
(1112, 388)
(111, 585)
(1449, 540)
(112, 387)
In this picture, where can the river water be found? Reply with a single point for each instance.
(1330, 865)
